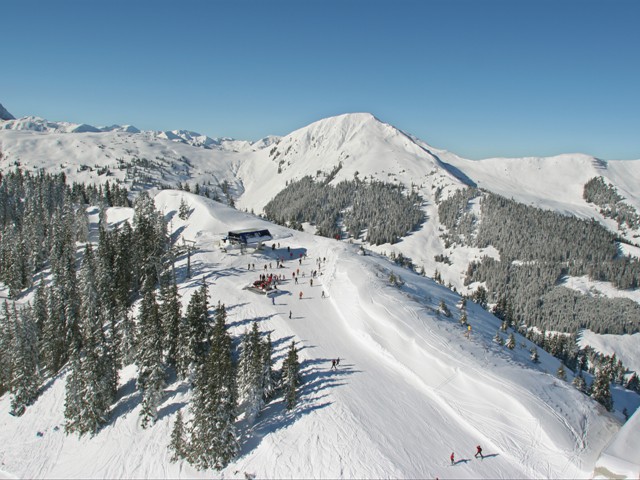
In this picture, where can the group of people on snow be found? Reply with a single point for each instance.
(478, 453)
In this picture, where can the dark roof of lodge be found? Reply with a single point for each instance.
(249, 230)
(249, 235)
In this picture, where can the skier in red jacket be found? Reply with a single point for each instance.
(479, 452)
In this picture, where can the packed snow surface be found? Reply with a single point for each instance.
(409, 391)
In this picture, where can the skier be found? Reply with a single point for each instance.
(452, 458)
(289, 314)
(479, 452)
(300, 296)
(333, 364)
(311, 281)
(323, 296)
(337, 361)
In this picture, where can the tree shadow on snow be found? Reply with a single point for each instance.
(170, 409)
(317, 379)
(128, 399)
(283, 352)
(249, 321)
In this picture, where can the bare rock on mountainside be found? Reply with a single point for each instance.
(4, 114)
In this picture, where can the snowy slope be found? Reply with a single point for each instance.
(129, 157)
(554, 183)
(410, 388)
(625, 347)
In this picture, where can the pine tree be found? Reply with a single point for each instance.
(535, 358)
(291, 376)
(442, 308)
(25, 378)
(213, 437)
(74, 391)
(601, 390)
(633, 384)
(250, 373)
(193, 333)
(151, 372)
(178, 444)
(498, 338)
(6, 349)
(91, 384)
(268, 386)
(183, 209)
(561, 372)
(170, 319)
(150, 238)
(511, 342)
(579, 382)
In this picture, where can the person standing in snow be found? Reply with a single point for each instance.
(333, 364)
(300, 296)
(453, 458)
(479, 452)
(289, 314)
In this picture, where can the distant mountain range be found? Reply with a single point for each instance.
(349, 146)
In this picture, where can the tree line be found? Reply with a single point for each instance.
(379, 212)
(538, 249)
(103, 306)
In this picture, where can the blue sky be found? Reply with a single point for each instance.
(479, 78)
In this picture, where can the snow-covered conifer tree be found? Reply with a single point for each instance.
(511, 342)
(25, 372)
(170, 319)
(579, 382)
(213, 436)
(151, 371)
(178, 443)
(6, 348)
(250, 373)
(535, 357)
(601, 391)
(193, 332)
(291, 376)
(268, 386)
(561, 373)
(92, 382)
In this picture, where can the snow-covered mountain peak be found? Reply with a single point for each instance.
(4, 114)
(341, 148)
(357, 142)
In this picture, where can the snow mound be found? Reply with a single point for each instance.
(620, 458)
